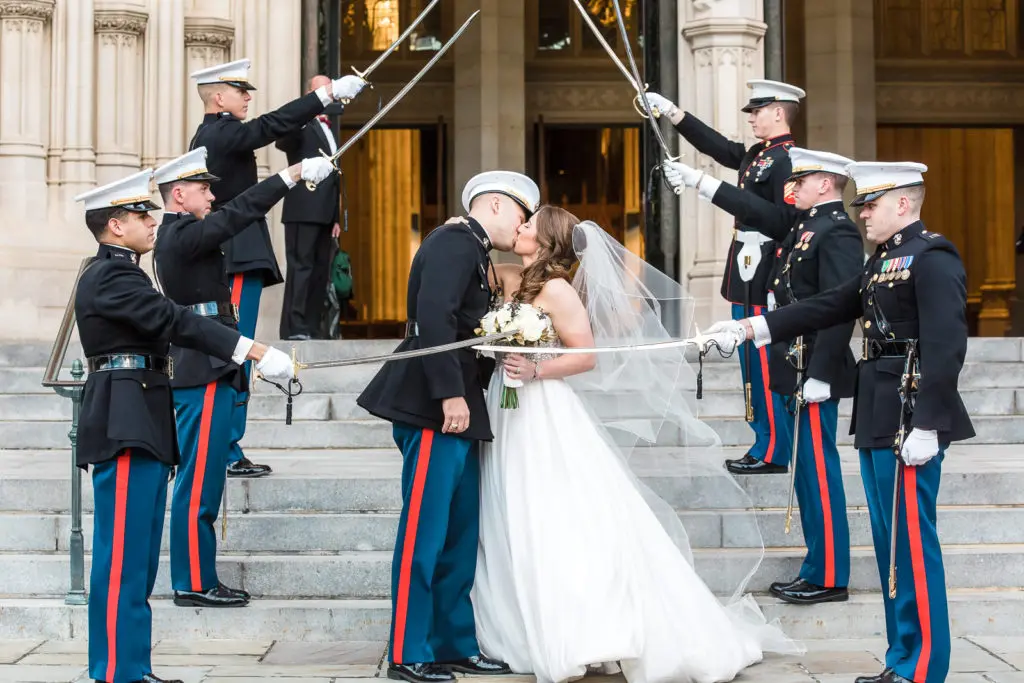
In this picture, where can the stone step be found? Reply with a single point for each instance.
(352, 379)
(361, 481)
(972, 612)
(367, 574)
(329, 532)
(324, 406)
(374, 433)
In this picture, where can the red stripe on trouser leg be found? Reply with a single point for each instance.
(117, 558)
(236, 288)
(409, 543)
(769, 405)
(198, 474)
(814, 416)
(920, 577)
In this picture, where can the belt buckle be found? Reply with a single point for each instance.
(412, 329)
(170, 367)
(234, 312)
(864, 349)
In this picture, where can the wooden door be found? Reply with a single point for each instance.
(969, 199)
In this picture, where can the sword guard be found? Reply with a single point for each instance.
(639, 108)
(362, 75)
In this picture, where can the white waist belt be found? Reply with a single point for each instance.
(751, 238)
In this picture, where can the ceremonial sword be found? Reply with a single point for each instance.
(310, 185)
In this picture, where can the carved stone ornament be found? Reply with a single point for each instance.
(27, 9)
(120, 21)
(703, 5)
(209, 32)
(942, 103)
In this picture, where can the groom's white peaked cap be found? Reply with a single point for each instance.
(515, 185)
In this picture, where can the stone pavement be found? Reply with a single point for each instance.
(991, 659)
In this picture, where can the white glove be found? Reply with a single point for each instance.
(276, 365)
(679, 175)
(316, 169)
(921, 446)
(660, 105)
(816, 391)
(347, 87)
(728, 334)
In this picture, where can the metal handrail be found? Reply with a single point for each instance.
(60, 344)
(72, 389)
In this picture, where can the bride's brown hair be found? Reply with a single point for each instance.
(555, 256)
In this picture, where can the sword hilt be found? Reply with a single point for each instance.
(640, 110)
(310, 185)
(892, 581)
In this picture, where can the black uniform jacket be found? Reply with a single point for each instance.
(821, 250)
(448, 294)
(119, 311)
(190, 269)
(230, 144)
(764, 170)
(300, 205)
(915, 282)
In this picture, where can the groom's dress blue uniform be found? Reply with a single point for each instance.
(435, 552)
(912, 288)
(822, 249)
(763, 169)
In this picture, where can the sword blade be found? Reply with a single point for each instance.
(394, 46)
(404, 91)
(399, 355)
(636, 79)
(607, 48)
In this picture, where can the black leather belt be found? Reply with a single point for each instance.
(215, 309)
(877, 348)
(412, 329)
(131, 361)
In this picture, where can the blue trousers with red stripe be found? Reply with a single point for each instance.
(773, 424)
(435, 553)
(822, 499)
(130, 494)
(246, 291)
(917, 620)
(204, 437)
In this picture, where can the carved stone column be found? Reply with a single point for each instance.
(120, 28)
(24, 45)
(721, 50)
(207, 43)
(167, 85)
(77, 95)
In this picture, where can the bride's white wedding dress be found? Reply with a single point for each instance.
(575, 569)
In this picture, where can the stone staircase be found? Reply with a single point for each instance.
(313, 541)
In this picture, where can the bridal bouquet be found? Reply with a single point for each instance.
(531, 328)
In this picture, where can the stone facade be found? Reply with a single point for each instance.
(94, 89)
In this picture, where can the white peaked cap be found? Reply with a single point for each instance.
(234, 73)
(875, 178)
(190, 166)
(515, 185)
(131, 193)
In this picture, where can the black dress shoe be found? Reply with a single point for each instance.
(150, 678)
(219, 596)
(887, 676)
(748, 464)
(248, 469)
(802, 592)
(479, 665)
(299, 337)
(236, 591)
(419, 673)
(782, 585)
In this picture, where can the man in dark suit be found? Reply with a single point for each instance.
(437, 407)
(126, 431)
(310, 223)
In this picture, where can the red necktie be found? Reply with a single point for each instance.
(324, 120)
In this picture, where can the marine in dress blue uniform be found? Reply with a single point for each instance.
(435, 553)
(126, 429)
(190, 269)
(764, 170)
(911, 291)
(231, 143)
(820, 250)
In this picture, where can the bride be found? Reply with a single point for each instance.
(580, 566)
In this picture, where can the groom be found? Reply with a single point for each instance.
(437, 408)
